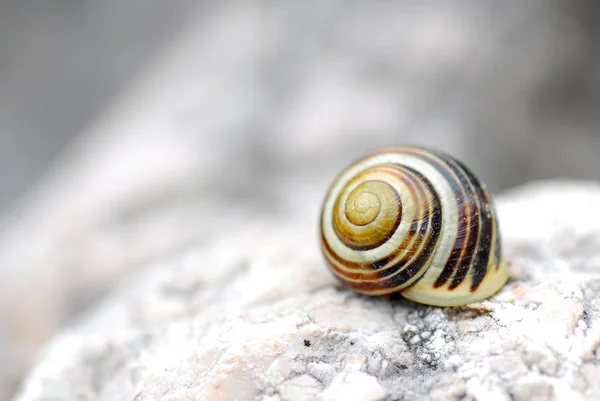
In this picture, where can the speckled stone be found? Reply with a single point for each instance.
(254, 316)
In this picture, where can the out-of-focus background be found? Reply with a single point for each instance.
(127, 125)
(515, 83)
(61, 61)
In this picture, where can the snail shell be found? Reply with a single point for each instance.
(413, 221)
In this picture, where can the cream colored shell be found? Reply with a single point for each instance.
(416, 222)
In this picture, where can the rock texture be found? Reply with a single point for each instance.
(255, 315)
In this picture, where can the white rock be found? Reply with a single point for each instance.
(254, 315)
(353, 386)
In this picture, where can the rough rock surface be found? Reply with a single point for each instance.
(255, 315)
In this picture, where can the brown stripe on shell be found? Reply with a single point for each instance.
(417, 193)
(471, 202)
(420, 227)
(462, 192)
(485, 238)
(462, 254)
(435, 216)
(404, 270)
(363, 271)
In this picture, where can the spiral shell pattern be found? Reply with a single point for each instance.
(413, 221)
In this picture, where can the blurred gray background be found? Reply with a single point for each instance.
(521, 78)
(517, 79)
(61, 61)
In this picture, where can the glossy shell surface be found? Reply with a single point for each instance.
(413, 221)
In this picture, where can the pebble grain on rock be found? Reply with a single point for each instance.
(255, 315)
